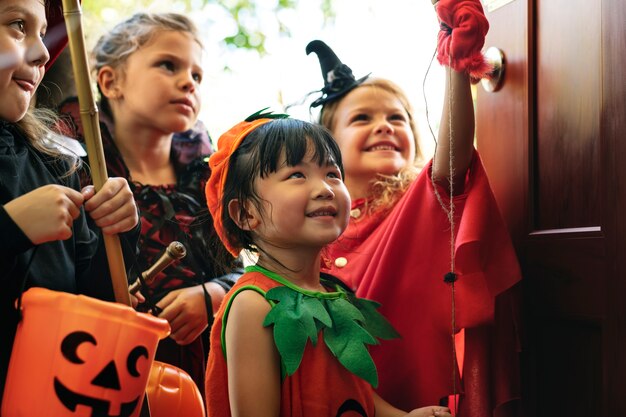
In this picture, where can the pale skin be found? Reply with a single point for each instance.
(144, 126)
(254, 380)
(47, 213)
(371, 127)
(22, 28)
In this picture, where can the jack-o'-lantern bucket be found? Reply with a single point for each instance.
(78, 356)
(172, 392)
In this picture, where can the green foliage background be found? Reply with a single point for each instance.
(101, 14)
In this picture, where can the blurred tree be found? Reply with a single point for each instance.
(99, 14)
(245, 29)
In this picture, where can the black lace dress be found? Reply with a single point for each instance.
(173, 212)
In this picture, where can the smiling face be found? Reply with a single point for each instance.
(373, 131)
(158, 86)
(305, 205)
(22, 55)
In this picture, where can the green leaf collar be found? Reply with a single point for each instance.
(348, 324)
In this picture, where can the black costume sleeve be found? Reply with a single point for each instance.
(13, 240)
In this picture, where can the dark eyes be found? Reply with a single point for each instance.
(171, 67)
(296, 175)
(364, 118)
(167, 65)
(360, 118)
(331, 174)
(19, 25)
(399, 117)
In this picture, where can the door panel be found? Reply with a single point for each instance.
(502, 117)
(553, 141)
(613, 128)
(568, 92)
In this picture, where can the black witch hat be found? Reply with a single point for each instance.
(338, 77)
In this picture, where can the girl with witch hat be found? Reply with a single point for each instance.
(46, 241)
(288, 341)
(419, 234)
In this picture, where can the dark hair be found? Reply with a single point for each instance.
(259, 155)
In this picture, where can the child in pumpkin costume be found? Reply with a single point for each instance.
(46, 241)
(287, 341)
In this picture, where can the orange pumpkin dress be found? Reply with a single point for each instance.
(321, 386)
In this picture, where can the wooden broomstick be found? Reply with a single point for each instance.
(91, 126)
(89, 118)
(93, 139)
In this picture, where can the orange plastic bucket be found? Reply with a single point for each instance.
(172, 392)
(78, 356)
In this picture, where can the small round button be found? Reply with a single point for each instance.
(341, 262)
(355, 213)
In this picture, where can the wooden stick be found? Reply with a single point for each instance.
(89, 117)
(174, 251)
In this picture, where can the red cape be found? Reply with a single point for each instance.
(400, 258)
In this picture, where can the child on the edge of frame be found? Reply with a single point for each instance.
(397, 247)
(288, 340)
(46, 241)
(149, 72)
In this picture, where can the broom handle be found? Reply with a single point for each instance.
(91, 125)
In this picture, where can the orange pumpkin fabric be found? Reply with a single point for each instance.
(321, 387)
(218, 162)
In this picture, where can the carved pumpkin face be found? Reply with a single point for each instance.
(76, 356)
(91, 372)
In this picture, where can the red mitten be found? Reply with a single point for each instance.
(462, 36)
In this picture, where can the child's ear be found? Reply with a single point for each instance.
(246, 218)
(109, 82)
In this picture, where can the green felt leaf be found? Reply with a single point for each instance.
(296, 318)
(348, 324)
(375, 323)
(262, 114)
(347, 340)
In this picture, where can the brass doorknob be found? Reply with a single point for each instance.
(493, 81)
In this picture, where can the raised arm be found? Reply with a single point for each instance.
(456, 128)
(460, 40)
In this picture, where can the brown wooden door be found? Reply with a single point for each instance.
(553, 141)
